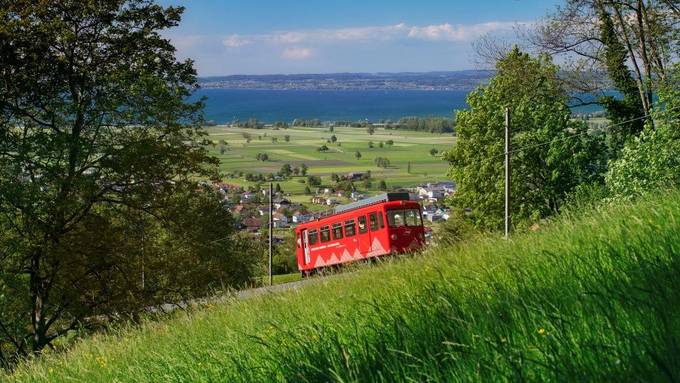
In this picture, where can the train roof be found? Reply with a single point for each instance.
(385, 197)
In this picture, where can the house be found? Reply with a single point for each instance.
(281, 202)
(356, 196)
(279, 220)
(319, 200)
(252, 224)
(355, 176)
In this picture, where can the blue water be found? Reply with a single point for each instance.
(225, 105)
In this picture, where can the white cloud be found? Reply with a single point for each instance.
(235, 41)
(296, 53)
(440, 32)
(460, 32)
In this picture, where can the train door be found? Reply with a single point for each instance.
(363, 235)
(305, 247)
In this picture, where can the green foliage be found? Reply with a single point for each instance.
(556, 153)
(262, 157)
(382, 185)
(630, 107)
(595, 299)
(97, 145)
(652, 160)
(381, 162)
(357, 155)
(423, 124)
(323, 148)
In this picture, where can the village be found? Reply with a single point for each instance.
(249, 206)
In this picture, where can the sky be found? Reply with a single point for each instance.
(226, 37)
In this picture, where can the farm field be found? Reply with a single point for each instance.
(409, 147)
(590, 298)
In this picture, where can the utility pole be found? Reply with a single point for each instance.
(507, 173)
(271, 227)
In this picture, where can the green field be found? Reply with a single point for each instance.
(590, 299)
(409, 146)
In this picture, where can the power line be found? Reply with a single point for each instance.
(576, 135)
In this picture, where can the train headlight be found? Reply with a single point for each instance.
(393, 237)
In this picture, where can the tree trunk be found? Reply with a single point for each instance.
(37, 286)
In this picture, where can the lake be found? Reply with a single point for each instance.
(225, 105)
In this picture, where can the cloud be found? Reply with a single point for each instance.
(440, 32)
(460, 32)
(235, 41)
(296, 53)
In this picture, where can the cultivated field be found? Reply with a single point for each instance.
(596, 298)
(409, 146)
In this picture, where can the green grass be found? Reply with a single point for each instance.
(589, 299)
(409, 146)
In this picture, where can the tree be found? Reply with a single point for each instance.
(275, 140)
(303, 169)
(542, 174)
(286, 170)
(313, 181)
(381, 144)
(331, 129)
(382, 185)
(370, 130)
(381, 162)
(96, 136)
(308, 190)
(223, 149)
(370, 144)
(286, 137)
(389, 142)
(357, 155)
(433, 152)
(277, 188)
(262, 157)
(408, 167)
(581, 32)
(322, 148)
(334, 138)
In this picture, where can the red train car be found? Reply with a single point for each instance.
(390, 223)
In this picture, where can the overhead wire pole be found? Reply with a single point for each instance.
(271, 227)
(507, 173)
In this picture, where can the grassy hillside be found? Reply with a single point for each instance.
(409, 146)
(596, 298)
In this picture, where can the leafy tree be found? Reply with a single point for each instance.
(370, 144)
(275, 140)
(433, 152)
(286, 170)
(357, 155)
(408, 167)
(370, 130)
(652, 160)
(557, 153)
(277, 188)
(303, 169)
(334, 138)
(322, 148)
(262, 157)
(296, 170)
(389, 142)
(313, 181)
(381, 162)
(308, 190)
(286, 137)
(630, 107)
(97, 145)
(381, 144)
(331, 129)
(382, 185)
(223, 150)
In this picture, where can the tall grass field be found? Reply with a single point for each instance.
(594, 298)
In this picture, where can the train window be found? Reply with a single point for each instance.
(325, 234)
(362, 224)
(337, 230)
(380, 220)
(313, 236)
(374, 221)
(395, 218)
(350, 228)
(411, 219)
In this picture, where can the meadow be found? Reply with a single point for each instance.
(408, 147)
(588, 298)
